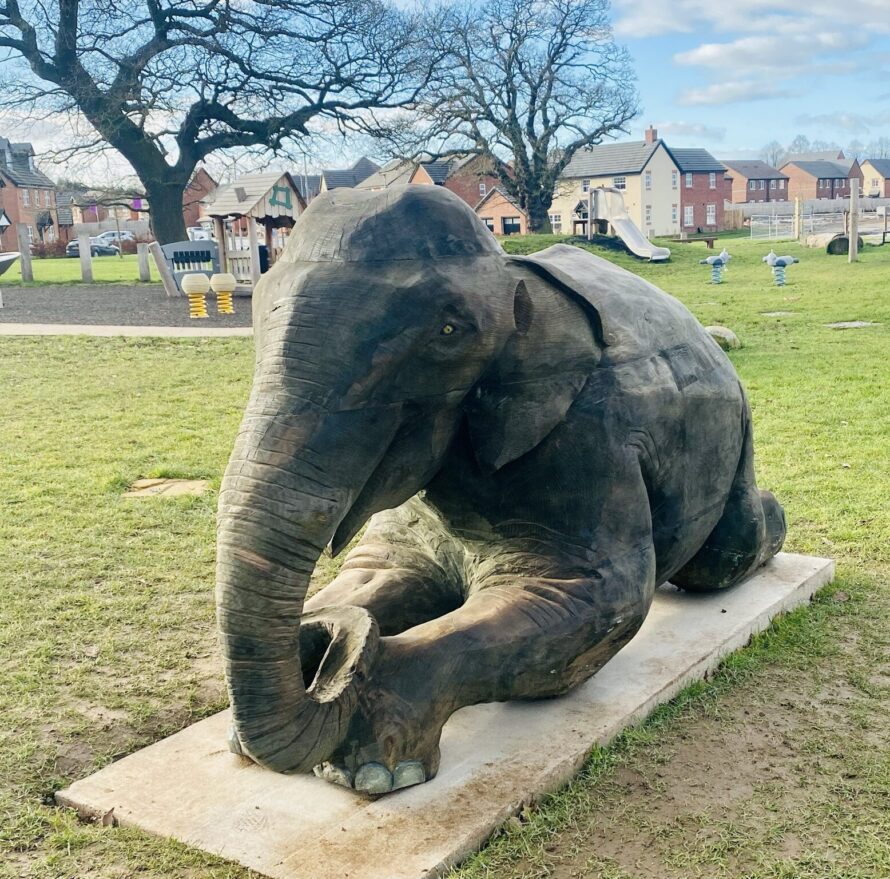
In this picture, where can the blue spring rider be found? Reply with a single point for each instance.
(716, 263)
(778, 264)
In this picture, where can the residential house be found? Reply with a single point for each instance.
(644, 171)
(27, 196)
(876, 178)
(394, 173)
(822, 178)
(704, 188)
(349, 177)
(755, 181)
(200, 187)
(501, 213)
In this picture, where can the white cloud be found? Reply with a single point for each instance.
(851, 123)
(690, 129)
(734, 92)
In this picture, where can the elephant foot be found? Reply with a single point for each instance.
(393, 741)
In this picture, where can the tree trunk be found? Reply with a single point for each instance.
(165, 206)
(538, 216)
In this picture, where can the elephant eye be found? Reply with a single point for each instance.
(447, 330)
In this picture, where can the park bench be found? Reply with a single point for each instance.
(708, 239)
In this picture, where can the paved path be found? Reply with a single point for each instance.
(9, 329)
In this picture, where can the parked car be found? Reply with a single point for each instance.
(112, 236)
(97, 248)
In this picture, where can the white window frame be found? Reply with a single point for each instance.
(711, 215)
(675, 213)
(772, 184)
(483, 189)
(675, 179)
(619, 182)
(556, 222)
(647, 177)
(781, 184)
(30, 234)
(688, 215)
(648, 214)
(26, 198)
(46, 198)
(763, 184)
(585, 186)
(489, 222)
(752, 185)
(712, 180)
(689, 179)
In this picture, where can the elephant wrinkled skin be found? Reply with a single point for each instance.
(538, 443)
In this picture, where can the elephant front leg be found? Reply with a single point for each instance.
(532, 626)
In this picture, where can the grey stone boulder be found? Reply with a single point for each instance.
(724, 337)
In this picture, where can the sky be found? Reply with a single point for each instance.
(726, 75)
(732, 75)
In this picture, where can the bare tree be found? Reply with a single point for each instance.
(526, 84)
(798, 147)
(880, 148)
(168, 82)
(773, 153)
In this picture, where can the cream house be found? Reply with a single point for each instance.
(645, 173)
(876, 178)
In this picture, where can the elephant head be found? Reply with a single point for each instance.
(391, 317)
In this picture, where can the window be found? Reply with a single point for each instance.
(772, 184)
(688, 215)
(26, 198)
(688, 180)
(556, 222)
(585, 186)
(711, 217)
(489, 222)
(30, 234)
(648, 178)
(482, 189)
(712, 180)
(752, 184)
(510, 225)
(36, 198)
(675, 179)
(675, 213)
(781, 184)
(763, 184)
(619, 182)
(648, 214)
(47, 198)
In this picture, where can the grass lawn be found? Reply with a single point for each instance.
(65, 270)
(776, 768)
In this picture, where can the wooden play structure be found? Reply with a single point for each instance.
(271, 201)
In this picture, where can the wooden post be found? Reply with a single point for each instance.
(854, 222)
(254, 251)
(591, 203)
(219, 229)
(797, 231)
(167, 278)
(86, 257)
(24, 240)
(267, 226)
(142, 257)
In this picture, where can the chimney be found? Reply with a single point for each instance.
(651, 134)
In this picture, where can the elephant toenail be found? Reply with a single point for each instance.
(334, 774)
(373, 778)
(408, 773)
(234, 742)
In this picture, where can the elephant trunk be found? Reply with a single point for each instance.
(292, 677)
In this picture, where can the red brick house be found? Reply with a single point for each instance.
(822, 178)
(500, 212)
(200, 187)
(755, 181)
(704, 188)
(27, 196)
(469, 177)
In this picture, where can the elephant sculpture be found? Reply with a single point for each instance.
(538, 443)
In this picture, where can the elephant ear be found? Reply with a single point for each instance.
(507, 420)
(534, 383)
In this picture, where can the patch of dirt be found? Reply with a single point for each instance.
(722, 785)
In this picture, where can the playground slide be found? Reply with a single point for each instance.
(7, 259)
(609, 205)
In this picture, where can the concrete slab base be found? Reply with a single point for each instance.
(495, 758)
